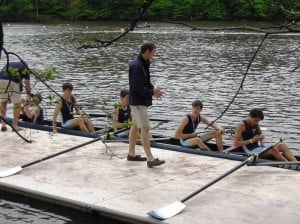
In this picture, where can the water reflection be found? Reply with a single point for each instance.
(17, 213)
(189, 65)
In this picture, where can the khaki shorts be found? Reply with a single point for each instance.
(13, 91)
(140, 116)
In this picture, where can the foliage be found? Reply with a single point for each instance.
(160, 9)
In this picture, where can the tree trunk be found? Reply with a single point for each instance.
(37, 9)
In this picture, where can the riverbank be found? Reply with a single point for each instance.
(151, 24)
(90, 177)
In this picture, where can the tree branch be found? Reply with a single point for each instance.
(242, 82)
(289, 11)
(269, 29)
(133, 23)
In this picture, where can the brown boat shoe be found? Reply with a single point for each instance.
(136, 158)
(155, 162)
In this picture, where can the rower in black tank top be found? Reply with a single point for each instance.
(67, 109)
(191, 125)
(250, 132)
(124, 115)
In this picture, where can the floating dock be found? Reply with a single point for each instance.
(92, 179)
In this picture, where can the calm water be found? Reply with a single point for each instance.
(189, 65)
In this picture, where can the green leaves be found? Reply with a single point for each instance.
(128, 124)
(166, 9)
(118, 105)
(53, 100)
(49, 74)
(107, 129)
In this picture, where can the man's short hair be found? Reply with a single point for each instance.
(124, 93)
(257, 113)
(197, 103)
(147, 46)
(67, 85)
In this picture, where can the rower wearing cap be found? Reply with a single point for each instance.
(122, 114)
(187, 134)
(32, 111)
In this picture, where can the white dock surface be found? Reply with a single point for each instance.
(250, 195)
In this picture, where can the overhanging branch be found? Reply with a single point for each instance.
(133, 23)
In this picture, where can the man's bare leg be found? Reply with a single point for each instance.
(17, 111)
(133, 134)
(218, 136)
(199, 143)
(286, 152)
(79, 122)
(145, 137)
(219, 140)
(3, 108)
(277, 155)
(89, 125)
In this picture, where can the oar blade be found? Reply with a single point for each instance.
(167, 211)
(10, 172)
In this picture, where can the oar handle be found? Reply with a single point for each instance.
(62, 152)
(229, 172)
(68, 150)
(214, 181)
(109, 115)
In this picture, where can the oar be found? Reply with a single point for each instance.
(18, 169)
(127, 140)
(275, 163)
(104, 115)
(174, 208)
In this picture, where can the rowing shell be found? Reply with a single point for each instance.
(164, 143)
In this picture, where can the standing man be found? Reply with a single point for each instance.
(141, 92)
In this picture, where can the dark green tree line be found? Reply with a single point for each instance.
(160, 9)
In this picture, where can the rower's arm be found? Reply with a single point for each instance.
(238, 136)
(115, 116)
(77, 108)
(55, 114)
(207, 122)
(28, 112)
(36, 111)
(179, 134)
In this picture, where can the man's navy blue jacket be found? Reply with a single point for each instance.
(15, 77)
(140, 87)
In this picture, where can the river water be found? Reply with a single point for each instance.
(188, 65)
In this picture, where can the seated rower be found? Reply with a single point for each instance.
(187, 134)
(248, 134)
(122, 114)
(32, 111)
(66, 106)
